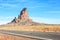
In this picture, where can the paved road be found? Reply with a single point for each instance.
(48, 35)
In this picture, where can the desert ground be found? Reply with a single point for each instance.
(41, 28)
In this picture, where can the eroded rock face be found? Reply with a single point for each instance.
(24, 14)
(23, 17)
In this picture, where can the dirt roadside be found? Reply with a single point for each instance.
(11, 37)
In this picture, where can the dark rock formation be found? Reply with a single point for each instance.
(23, 18)
(23, 15)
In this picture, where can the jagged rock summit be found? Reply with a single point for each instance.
(23, 18)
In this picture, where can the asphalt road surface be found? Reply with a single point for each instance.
(48, 35)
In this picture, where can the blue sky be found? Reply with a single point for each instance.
(42, 11)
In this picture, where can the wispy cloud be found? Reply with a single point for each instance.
(12, 3)
(51, 12)
(6, 17)
(46, 20)
(39, 5)
(8, 5)
(4, 20)
(24, 0)
(36, 6)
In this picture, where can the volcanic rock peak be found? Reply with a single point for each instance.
(23, 17)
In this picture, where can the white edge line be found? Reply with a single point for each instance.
(25, 35)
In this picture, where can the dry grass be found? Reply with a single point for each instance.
(42, 28)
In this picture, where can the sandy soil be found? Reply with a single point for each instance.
(41, 28)
(11, 37)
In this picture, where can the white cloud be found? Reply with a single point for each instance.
(35, 6)
(51, 12)
(19, 1)
(4, 20)
(46, 20)
(8, 5)
(23, 0)
(6, 17)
